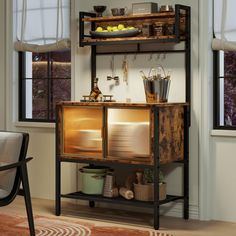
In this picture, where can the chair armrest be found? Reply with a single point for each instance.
(16, 164)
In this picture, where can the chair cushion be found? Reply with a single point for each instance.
(10, 147)
(3, 193)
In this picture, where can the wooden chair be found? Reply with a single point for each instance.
(13, 171)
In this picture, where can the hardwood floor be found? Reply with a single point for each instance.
(176, 226)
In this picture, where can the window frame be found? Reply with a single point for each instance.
(216, 93)
(22, 93)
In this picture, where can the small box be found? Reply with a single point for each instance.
(144, 8)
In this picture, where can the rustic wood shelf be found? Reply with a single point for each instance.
(130, 17)
(171, 39)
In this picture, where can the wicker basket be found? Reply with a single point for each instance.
(145, 192)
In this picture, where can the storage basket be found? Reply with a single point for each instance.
(145, 192)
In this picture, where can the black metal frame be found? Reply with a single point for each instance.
(176, 39)
(21, 176)
(187, 120)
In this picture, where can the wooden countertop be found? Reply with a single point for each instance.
(120, 104)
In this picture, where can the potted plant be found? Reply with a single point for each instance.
(144, 187)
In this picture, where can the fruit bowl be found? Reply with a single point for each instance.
(116, 34)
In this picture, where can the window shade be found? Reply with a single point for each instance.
(42, 25)
(224, 25)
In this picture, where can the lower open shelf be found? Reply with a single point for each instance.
(118, 200)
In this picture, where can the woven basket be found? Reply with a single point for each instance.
(145, 192)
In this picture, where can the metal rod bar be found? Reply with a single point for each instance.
(188, 60)
(22, 87)
(156, 157)
(216, 100)
(105, 132)
(186, 163)
(142, 52)
(58, 164)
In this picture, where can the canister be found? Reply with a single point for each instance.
(147, 29)
(158, 29)
(92, 179)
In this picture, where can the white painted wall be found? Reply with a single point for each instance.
(223, 178)
(2, 64)
(217, 148)
(42, 140)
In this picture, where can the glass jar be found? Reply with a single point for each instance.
(158, 29)
(147, 29)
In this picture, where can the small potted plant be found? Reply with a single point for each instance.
(144, 188)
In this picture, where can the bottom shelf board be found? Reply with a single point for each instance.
(118, 200)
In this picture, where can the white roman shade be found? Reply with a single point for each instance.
(224, 25)
(42, 25)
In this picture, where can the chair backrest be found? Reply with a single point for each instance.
(13, 148)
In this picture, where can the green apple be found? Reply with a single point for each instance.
(130, 27)
(99, 29)
(114, 28)
(124, 29)
(109, 28)
(105, 31)
(120, 26)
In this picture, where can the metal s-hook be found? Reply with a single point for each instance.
(157, 57)
(164, 56)
(150, 57)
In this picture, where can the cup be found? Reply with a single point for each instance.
(119, 11)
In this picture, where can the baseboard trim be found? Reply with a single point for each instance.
(176, 210)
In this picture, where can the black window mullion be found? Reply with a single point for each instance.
(216, 90)
(49, 85)
(22, 85)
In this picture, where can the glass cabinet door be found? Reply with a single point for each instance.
(128, 132)
(82, 131)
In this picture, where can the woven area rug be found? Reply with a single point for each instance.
(56, 226)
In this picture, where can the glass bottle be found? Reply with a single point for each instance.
(95, 92)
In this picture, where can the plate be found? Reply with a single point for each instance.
(116, 34)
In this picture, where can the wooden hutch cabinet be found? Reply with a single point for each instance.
(160, 131)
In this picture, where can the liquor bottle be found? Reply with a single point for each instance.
(95, 92)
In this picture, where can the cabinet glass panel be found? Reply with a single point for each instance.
(129, 134)
(82, 131)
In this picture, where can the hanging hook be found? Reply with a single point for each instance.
(157, 57)
(164, 56)
(150, 57)
(135, 57)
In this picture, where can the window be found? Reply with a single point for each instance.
(45, 78)
(225, 89)
(224, 46)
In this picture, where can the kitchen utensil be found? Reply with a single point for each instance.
(109, 184)
(112, 77)
(119, 11)
(92, 179)
(125, 70)
(166, 8)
